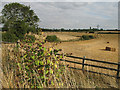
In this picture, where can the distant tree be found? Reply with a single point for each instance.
(101, 29)
(62, 29)
(74, 29)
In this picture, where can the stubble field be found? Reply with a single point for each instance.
(94, 48)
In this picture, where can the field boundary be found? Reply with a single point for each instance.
(96, 66)
(90, 65)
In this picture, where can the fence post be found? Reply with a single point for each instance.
(118, 70)
(74, 63)
(83, 63)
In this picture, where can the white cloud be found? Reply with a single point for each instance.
(75, 14)
(59, 0)
(70, 16)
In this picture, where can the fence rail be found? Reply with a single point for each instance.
(103, 67)
(87, 59)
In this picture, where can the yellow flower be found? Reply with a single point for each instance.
(50, 49)
(55, 66)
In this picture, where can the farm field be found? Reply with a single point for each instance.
(94, 48)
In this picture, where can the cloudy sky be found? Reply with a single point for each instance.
(75, 14)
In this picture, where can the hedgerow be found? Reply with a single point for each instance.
(87, 37)
(52, 38)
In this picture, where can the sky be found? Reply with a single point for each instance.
(70, 15)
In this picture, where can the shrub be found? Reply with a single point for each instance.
(52, 38)
(9, 37)
(29, 39)
(87, 37)
(19, 29)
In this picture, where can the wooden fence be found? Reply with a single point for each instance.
(83, 65)
(86, 59)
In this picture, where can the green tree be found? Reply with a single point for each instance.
(18, 12)
(19, 19)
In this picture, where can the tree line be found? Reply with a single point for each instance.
(71, 30)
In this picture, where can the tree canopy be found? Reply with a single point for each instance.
(16, 11)
(19, 19)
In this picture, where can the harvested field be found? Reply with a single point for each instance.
(94, 48)
(61, 35)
